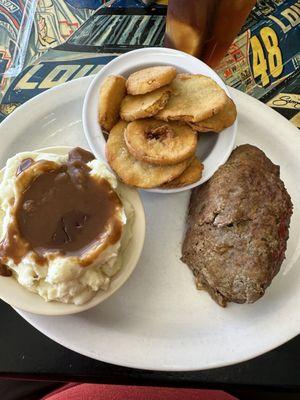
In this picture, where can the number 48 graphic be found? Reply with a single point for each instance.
(261, 66)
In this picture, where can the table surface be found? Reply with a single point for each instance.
(29, 354)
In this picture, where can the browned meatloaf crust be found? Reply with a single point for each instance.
(238, 228)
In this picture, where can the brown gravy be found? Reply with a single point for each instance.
(63, 210)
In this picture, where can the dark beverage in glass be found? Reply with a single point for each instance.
(205, 28)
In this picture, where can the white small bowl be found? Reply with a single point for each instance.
(213, 149)
(19, 297)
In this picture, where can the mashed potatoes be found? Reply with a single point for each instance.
(62, 278)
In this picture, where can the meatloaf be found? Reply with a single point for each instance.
(238, 227)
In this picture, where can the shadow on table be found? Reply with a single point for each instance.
(26, 390)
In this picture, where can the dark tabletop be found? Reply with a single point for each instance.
(26, 353)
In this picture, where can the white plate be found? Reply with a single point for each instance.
(158, 320)
(213, 149)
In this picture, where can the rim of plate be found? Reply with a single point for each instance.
(142, 58)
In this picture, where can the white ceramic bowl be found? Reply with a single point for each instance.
(17, 296)
(213, 149)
